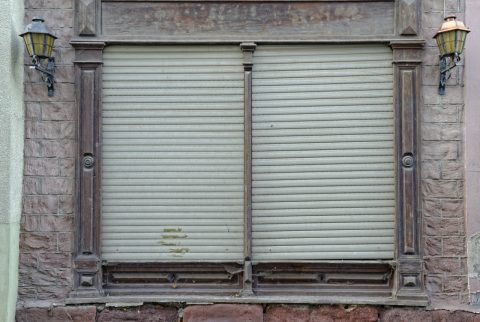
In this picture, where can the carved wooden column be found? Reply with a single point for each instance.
(87, 259)
(407, 100)
(247, 49)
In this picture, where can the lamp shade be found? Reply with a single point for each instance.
(38, 40)
(451, 36)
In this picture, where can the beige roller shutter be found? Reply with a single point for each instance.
(323, 153)
(172, 177)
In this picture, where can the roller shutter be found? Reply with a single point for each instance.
(323, 153)
(172, 172)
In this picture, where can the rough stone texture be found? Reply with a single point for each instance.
(48, 188)
(58, 314)
(142, 314)
(321, 314)
(223, 313)
(442, 184)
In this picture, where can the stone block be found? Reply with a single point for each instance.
(64, 92)
(147, 313)
(340, 314)
(58, 111)
(37, 242)
(41, 167)
(65, 242)
(454, 246)
(52, 277)
(33, 111)
(446, 265)
(65, 204)
(431, 169)
(223, 313)
(453, 208)
(49, 148)
(59, 18)
(433, 283)
(32, 185)
(321, 314)
(452, 227)
(433, 245)
(455, 284)
(287, 314)
(431, 207)
(452, 170)
(452, 132)
(442, 188)
(53, 261)
(40, 204)
(57, 186)
(406, 315)
(54, 223)
(49, 130)
(57, 314)
(67, 167)
(432, 226)
(432, 131)
(439, 150)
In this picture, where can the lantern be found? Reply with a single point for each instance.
(451, 41)
(39, 43)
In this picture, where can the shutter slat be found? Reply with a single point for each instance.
(323, 157)
(172, 152)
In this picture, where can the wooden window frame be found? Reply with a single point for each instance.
(397, 282)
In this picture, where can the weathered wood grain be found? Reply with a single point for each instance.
(306, 20)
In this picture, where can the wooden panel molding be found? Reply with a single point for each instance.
(87, 257)
(248, 20)
(407, 73)
(408, 17)
(86, 17)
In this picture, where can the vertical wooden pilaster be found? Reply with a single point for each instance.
(248, 49)
(87, 259)
(407, 100)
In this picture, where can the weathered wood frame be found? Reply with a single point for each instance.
(404, 286)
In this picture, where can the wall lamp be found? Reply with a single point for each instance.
(451, 41)
(39, 42)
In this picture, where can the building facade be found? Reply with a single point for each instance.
(273, 158)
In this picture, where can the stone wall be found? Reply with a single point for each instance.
(442, 153)
(47, 221)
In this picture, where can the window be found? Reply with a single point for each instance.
(261, 170)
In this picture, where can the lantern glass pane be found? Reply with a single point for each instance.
(38, 44)
(28, 43)
(461, 35)
(450, 42)
(440, 44)
(49, 45)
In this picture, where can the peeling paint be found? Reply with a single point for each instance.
(180, 250)
(174, 236)
(172, 230)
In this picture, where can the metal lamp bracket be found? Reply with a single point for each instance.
(445, 68)
(47, 71)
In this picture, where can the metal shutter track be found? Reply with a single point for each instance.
(172, 181)
(323, 159)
